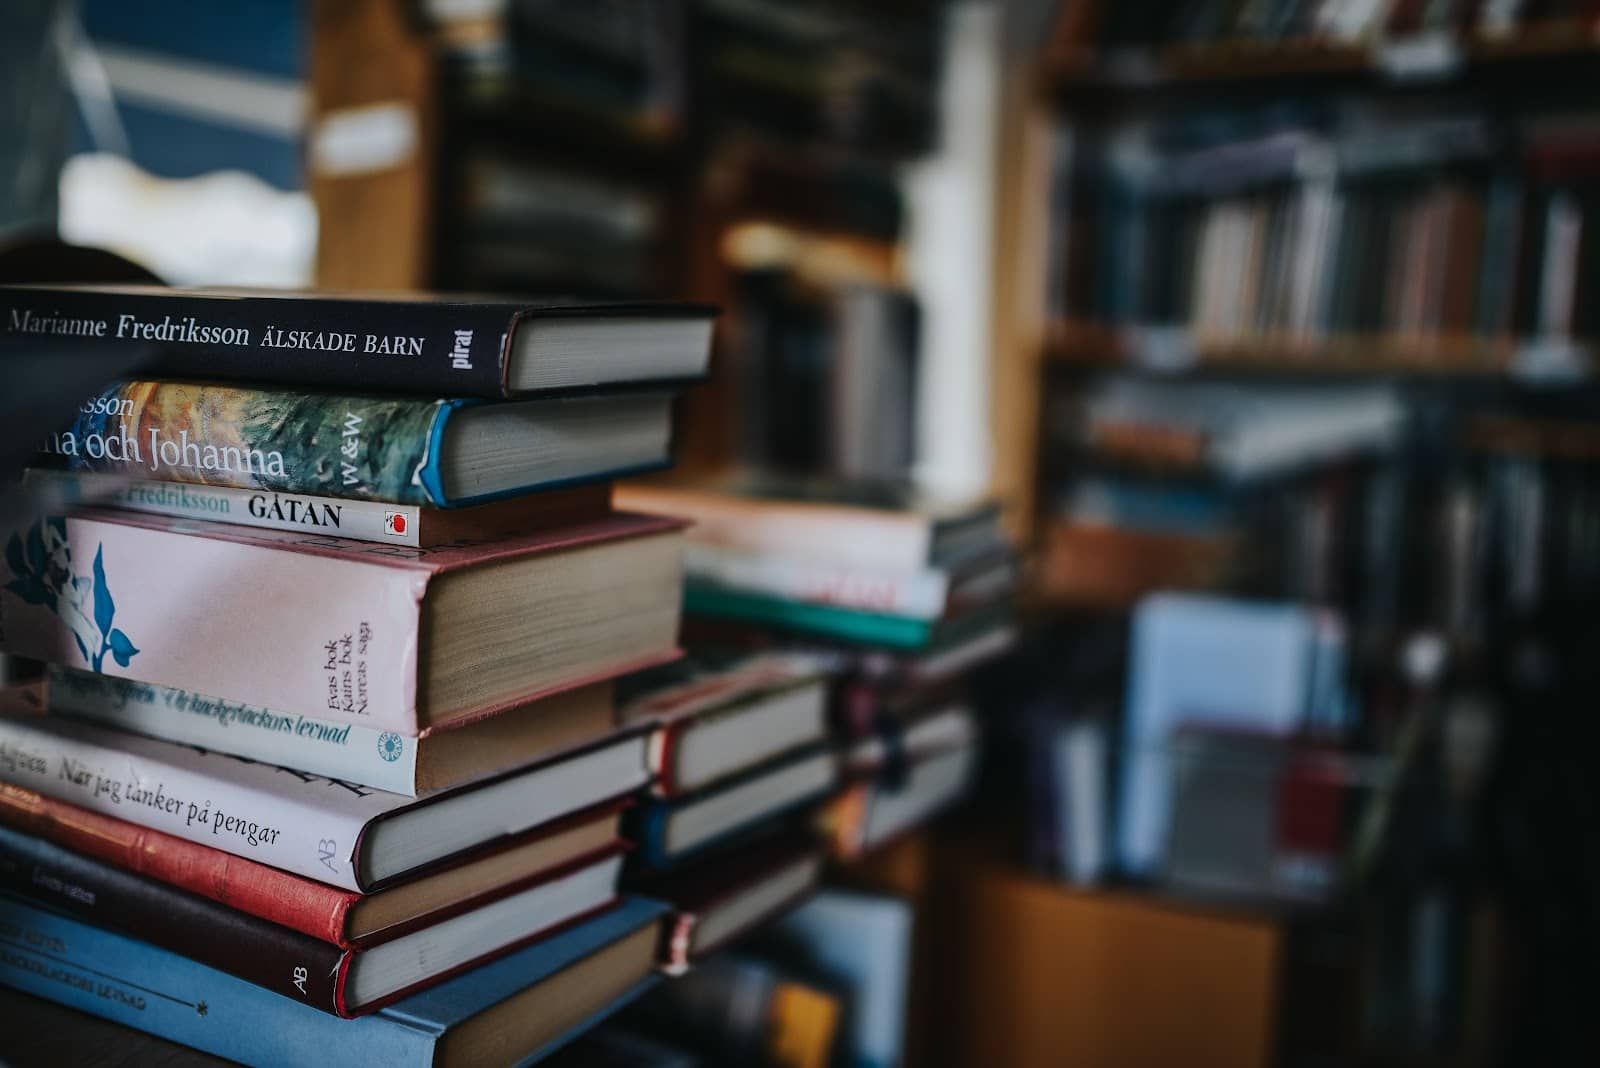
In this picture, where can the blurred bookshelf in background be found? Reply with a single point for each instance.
(1305, 361)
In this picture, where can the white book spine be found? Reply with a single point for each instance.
(381, 759)
(278, 817)
(909, 594)
(390, 524)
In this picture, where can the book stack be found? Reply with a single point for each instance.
(741, 758)
(327, 765)
(901, 596)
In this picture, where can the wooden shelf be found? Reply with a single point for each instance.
(1047, 974)
(1427, 59)
(1173, 351)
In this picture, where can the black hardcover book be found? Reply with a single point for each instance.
(413, 344)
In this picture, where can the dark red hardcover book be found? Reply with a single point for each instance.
(715, 902)
(341, 918)
(287, 962)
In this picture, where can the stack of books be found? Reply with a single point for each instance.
(900, 596)
(741, 760)
(328, 765)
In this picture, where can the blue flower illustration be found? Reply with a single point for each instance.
(41, 573)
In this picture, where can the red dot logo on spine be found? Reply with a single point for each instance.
(394, 523)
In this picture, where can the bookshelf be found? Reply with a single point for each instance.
(1090, 346)
(1423, 59)
(1059, 975)
(727, 195)
(1490, 407)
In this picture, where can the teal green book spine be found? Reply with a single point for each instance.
(355, 447)
(828, 620)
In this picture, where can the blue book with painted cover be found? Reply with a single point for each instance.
(512, 1011)
(412, 450)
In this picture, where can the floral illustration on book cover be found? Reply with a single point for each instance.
(40, 562)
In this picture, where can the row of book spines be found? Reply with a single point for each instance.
(232, 940)
(1450, 262)
(1301, 34)
(215, 933)
(315, 910)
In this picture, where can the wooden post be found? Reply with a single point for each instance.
(370, 150)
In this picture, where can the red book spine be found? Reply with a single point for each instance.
(289, 900)
(105, 894)
(663, 757)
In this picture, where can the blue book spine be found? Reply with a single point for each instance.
(652, 819)
(153, 990)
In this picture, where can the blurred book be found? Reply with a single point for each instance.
(1255, 816)
(865, 564)
(740, 1010)
(863, 942)
(827, 375)
(1267, 667)
(673, 831)
(876, 812)
(723, 713)
(727, 894)
(1239, 432)
(614, 1046)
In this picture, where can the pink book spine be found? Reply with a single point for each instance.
(295, 632)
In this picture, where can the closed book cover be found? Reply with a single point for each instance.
(400, 344)
(316, 909)
(289, 963)
(320, 828)
(322, 627)
(713, 696)
(551, 991)
(388, 449)
(377, 521)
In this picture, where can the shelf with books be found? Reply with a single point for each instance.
(1174, 350)
(1426, 58)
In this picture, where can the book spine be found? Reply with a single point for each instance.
(295, 632)
(650, 833)
(272, 827)
(661, 755)
(377, 521)
(676, 935)
(258, 952)
(911, 594)
(67, 961)
(432, 348)
(303, 905)
(366, 756)
(349, 447)
(842, 623)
